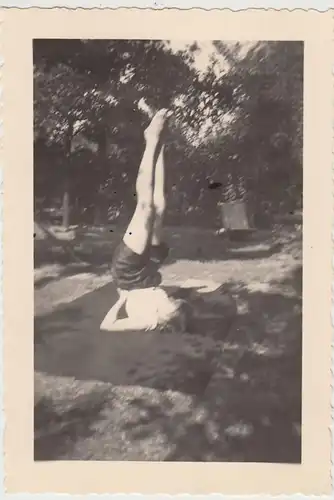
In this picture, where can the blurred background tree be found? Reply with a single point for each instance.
(236, 133)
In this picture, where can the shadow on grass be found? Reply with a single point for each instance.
(251, 412)
(245, 390)
(56, 428)
(71, 269)
(185, 243)
(93, 257)
(208, 246)
(252, 424)
(69, 343)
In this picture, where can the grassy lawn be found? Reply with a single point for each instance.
(200, 396)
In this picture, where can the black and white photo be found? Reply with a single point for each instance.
(168, 201)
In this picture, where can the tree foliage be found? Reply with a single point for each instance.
(238, 121)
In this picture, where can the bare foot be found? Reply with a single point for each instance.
(155, 128)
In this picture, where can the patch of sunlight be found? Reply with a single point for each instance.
(227, 373)
(259, 287)
(200, 415)
(229, 346)
(80, 277)
(47, 271)
(212, 430)
(243, 308)
(240, 430)
(266, 350)
(204, 286)
(63, 233)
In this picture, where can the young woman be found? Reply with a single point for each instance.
(137, 259)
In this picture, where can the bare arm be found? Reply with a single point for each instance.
(112, 315)
(126, 325)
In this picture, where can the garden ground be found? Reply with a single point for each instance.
(190, 397)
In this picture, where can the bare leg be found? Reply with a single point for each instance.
(159, 198)
(139, 233)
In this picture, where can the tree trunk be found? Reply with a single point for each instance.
(68, 160)
(97, 213)
(101, 205)
(66, 207)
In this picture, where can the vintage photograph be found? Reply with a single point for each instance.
(168, 226)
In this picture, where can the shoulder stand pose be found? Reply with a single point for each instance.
(137, 259)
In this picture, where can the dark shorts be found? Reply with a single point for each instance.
(132, 271)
